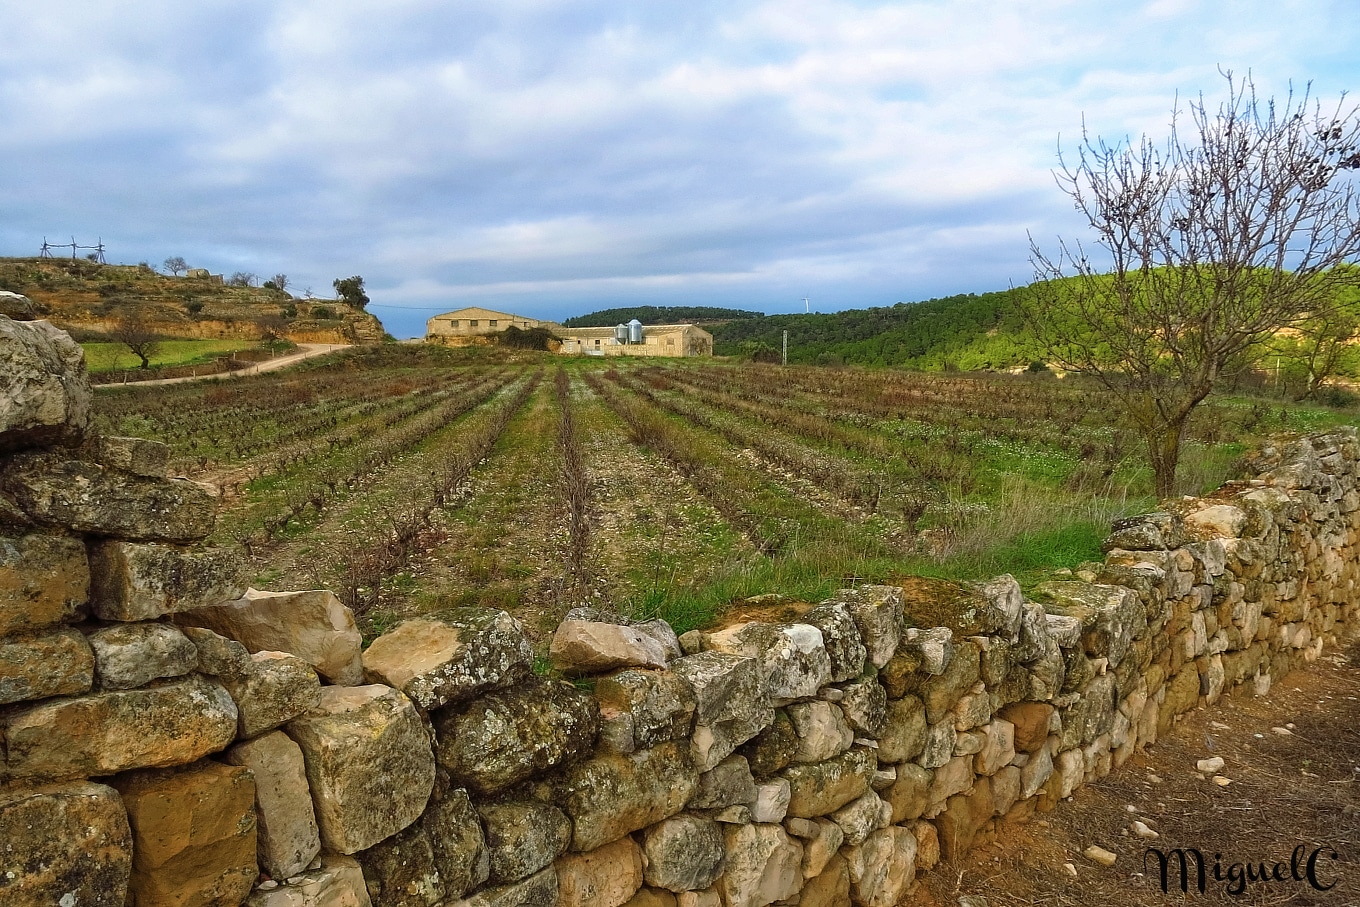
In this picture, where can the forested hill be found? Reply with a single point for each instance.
(967, 332)
(658, 314)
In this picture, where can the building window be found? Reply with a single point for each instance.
(472, 322)
(491, 323)
(597, 344)
(453, 323)
(670, 341)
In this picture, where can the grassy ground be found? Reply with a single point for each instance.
(107, 357)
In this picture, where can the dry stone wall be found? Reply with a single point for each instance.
(170, 737)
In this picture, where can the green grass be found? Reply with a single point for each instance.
(107, 357)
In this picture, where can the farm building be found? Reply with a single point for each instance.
(478, 322)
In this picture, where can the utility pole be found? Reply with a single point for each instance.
(786, 348)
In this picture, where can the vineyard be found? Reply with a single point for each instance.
(409, 478)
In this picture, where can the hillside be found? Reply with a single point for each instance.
(967, 332)
(659, 314)
(89, 300)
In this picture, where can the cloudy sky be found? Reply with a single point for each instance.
(551, 158)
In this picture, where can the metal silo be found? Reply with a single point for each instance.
(635, 331)
(621, 333)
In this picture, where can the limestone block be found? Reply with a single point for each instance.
(44, 581)
(764, 865)
(927, 845)
(657, 897)
(954, 777)
(1034, 637)
(998, 747)
(1111, 616)
(905, 730)
(1222, 521)
(654, 706)
(773, 748)
(909, 794)
(1004, 607)
(511, 735)
(455, 831)
(709, 897)
(1006, 787)
(1091, 715)
(865, 707)
(822, 730)
(793, 658)
(45, 393)
(339, 882)
(1035, 773)
(1064, 630)
(830, 888)
(54, 490)
(840, 635)
(193, 833)
(731, 703)
(142, 581)
(862, 816)
(941, 738)
(877, 612)
(522, 837)
(963, 817)
(729, 783)
(128, 656)
(217, 655)
(973, 708)
(99, 734)
(539, 890)
(883, 867)
(772, 801)
(369, 764)
(312, 625)
(968, 743)
(940, 692)
(821, 838)
(593, 647)
(135, 455)
(450, 656)
(68, 841)
(400, 871)
(612, 795)
(286, 833)
(40, 664)
(605, 877)
(933, 648)
(15, 306)
(273, 690)
(1030, 722)
(683, 853)
(824, 787)
(1070, 768)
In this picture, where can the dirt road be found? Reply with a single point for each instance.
(304, 351)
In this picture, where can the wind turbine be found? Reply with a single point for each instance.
(806, 309)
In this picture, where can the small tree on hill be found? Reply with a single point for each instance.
(1215, 243)
(136, 334)
(176, 265)
(350, 290)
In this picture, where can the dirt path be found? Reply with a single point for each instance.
(1293, 758)
(304, 351)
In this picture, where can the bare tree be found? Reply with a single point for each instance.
(1214, 243)
(136, 334)
(280, 281)
(176, 265)
(242, 279)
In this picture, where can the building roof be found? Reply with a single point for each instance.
(606, 332)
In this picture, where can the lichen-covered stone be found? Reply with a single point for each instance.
(455, 831)
(369, 764)
(729, 783)
(1111, 616)
(865, 706)
(905, 728)
(773, 748)
(55, 490)
(141, 581)
(824, 787)
(135, 455)
(511, 735)
(592, 647)
(612, 795)
(793, 658)
(314, 625)
(286, 833)
(940, 692)
(877, 613)
(539, 890)
(193, 834)
(683, 853)
(45, 393)
(128, 656)
(274, 689)
(522, 837)
(217, 655)
(822, 730)
(648, 707)
(400, 871)
(764, 865)
(909, 794)
(606, 877)
(64, 843)
(337, 882)
(44, 581)
(450, 656)
(37, 665)
(883, 867)
(731, 703)
(841, 637)
(862, 816)
(169, 724)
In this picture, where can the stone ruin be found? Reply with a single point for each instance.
(169, 737)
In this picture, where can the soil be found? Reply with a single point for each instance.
(1293, 759)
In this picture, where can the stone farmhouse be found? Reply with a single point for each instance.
(634, 339)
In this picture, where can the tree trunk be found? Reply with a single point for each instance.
(1164, 451)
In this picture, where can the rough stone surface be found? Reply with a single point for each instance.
(731, 704)
(64, 841)
(773, 748)
(824, 787)
(822, 730)
(286, 829)
(511, 735)
(772, 801)
(865, 706)
(312, 625)
(831, 888)
(683, 853)
(877, 612)
(904, 730)
(450, 656)
(539, 890)
(217, 655)
(193, 834)
(16, 306)
(841, 637)
(793, 658)
(862, 816)
(37, 665)
(44, 581)
(1110, 615)
(369, 764)
(1030, 723)
(647, 707)
(593, 647)
(45, 394)
(55, 490)
(338, 882)
(133, 581)
(274, 689)
(764, 865)
(611, 795)
(455, 831)
(400, 871)
(883, 867)
(135, 455)
(729, 783)
(522, 837)
(131, 655)
(170, 724)
(606, 877)
(940, 692)
(909, 794)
